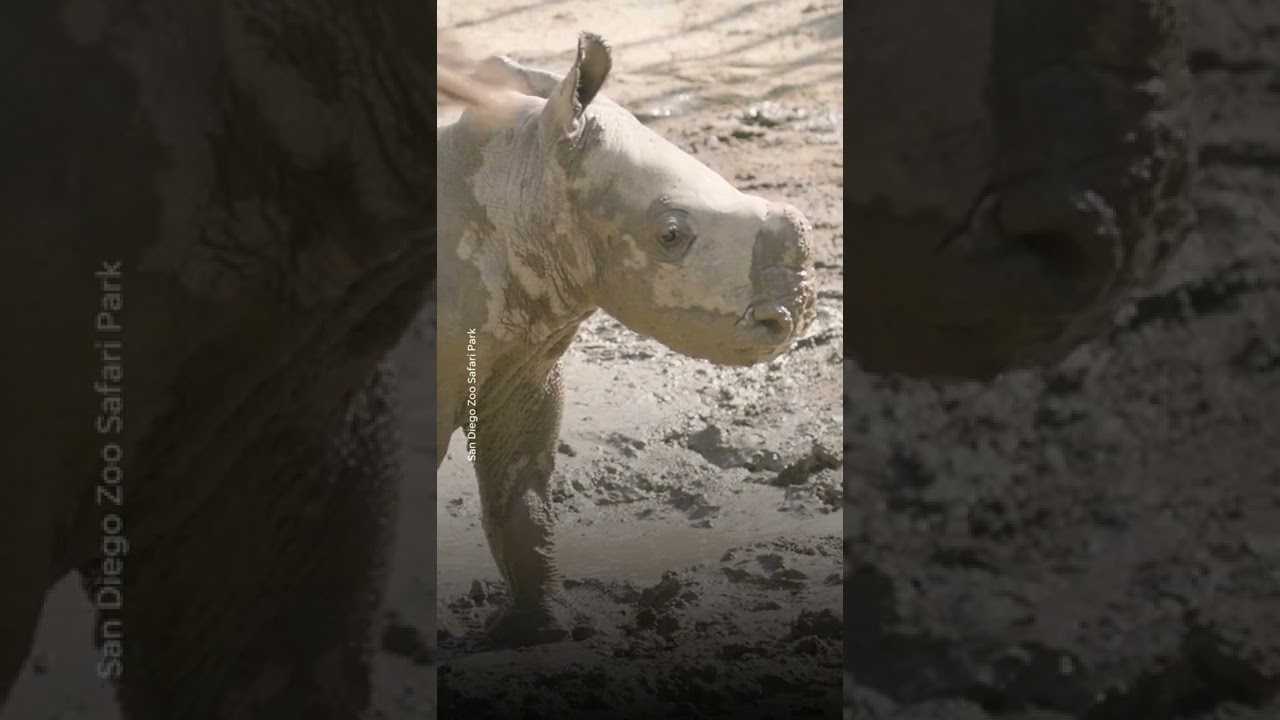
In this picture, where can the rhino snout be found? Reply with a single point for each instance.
(1066, 229)
(781, 274)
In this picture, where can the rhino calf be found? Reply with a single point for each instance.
(571, 207)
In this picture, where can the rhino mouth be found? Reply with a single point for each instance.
(768, 327)
(772, 322)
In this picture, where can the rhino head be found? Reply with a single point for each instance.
(604, 212)
(1017, 168)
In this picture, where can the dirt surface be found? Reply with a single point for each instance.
(700, 506)
(1101, 539)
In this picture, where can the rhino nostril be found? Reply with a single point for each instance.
(774, 318)
(775, 327)
(1069, 229)
(1059, 250)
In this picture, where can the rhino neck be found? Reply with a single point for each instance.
(512, 263)
(546, 285)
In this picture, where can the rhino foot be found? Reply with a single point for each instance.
(518, 627)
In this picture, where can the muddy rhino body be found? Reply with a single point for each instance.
(570, 207)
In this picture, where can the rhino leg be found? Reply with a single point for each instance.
(260, 605)
(26, 574)
(21, 607)
(515, 456)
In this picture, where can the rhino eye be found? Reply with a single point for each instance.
(675, 235)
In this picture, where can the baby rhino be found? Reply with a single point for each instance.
(564, 205)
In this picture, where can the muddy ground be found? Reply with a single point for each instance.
(1101, 539)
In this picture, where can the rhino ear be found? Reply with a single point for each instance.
(562, 116)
